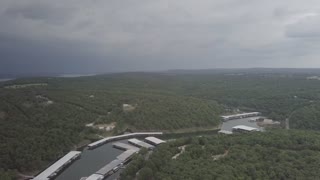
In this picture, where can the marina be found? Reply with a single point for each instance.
(120, 160)
(116, 155)
(90, 162)
(55, 168)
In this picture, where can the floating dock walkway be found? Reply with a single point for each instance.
(56, 167)
(124, 147)
(124, 136)
(140, 144)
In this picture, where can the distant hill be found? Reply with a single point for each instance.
(315, 71)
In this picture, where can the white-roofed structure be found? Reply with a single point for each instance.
(56, 167)
(140, 144)
(124, 147)
(124, 136)
(224, 132)
(240, 116)
(154, 141)
(109, 168)
(243, 128)
(124, 157)
(95, 177)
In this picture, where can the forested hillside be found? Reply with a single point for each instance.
(42, 118)
(269, 155)
(39, 123)
(306, 118)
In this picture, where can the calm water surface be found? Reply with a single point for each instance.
(90, 162)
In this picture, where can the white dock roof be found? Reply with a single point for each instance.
(224, 132)
(104, 140)
(95, 177)
(125, 146)
(125, 155)
(56, 166)
(106, 169)
(137, 142)
(246, 128)
(155, 140)
(243, 114)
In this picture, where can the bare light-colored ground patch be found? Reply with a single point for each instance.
(44, 100)
(182, 150)
(106, 127)
(128, 107)
(219, 156)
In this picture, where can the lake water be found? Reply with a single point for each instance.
(90, 162)
(5, 79)
(227, 126)
(74, 75)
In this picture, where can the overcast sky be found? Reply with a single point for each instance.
(88, 36)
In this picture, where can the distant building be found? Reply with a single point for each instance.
(243, 128)
(268, 122)
(225, 132)
(240, 116)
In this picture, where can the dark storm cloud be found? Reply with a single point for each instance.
(40, 11)
(113, 35)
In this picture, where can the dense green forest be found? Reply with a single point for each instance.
(271, 155)
(43, 118)
(38, 124)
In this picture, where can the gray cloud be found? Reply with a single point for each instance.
(96, 35)
(308, 27)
